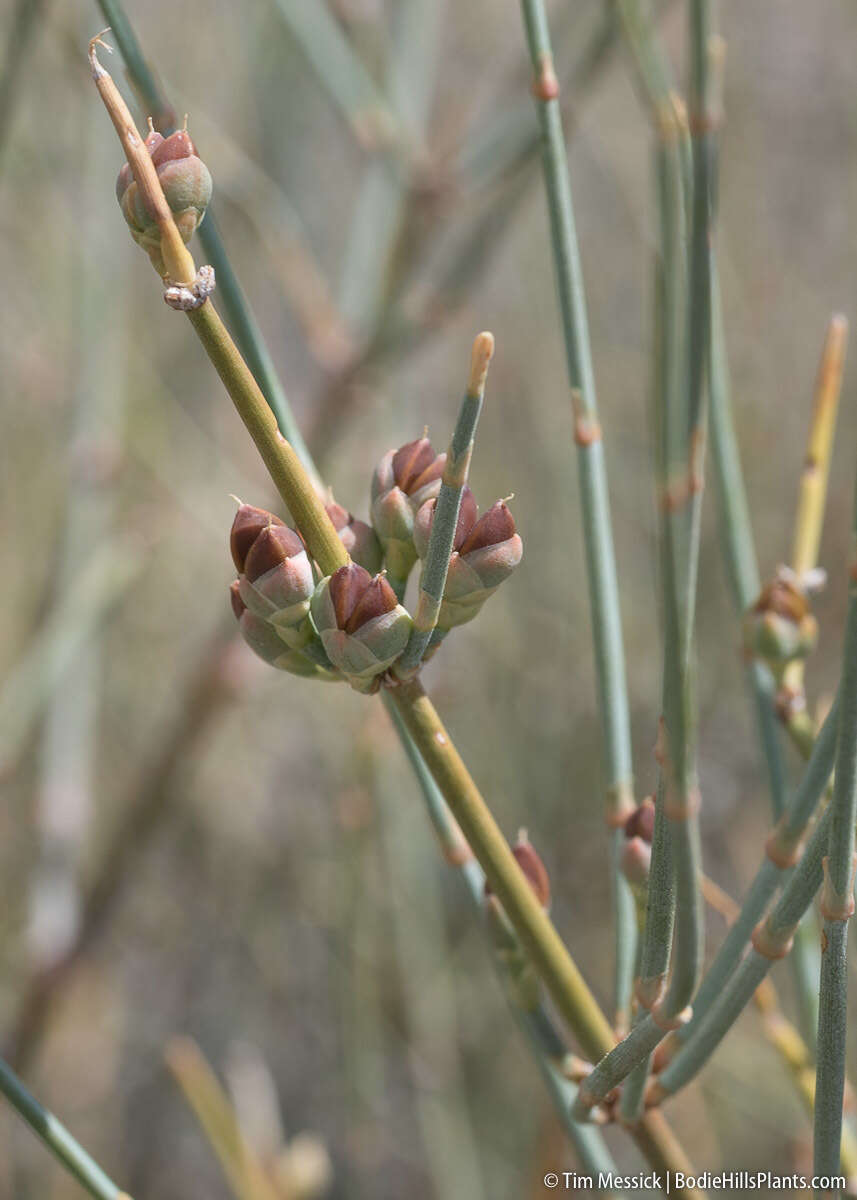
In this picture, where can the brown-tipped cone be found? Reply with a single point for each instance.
(248, 524)
(495, 526)
(347, 585)
(274, 545)
(411, 461)
(377, 599)
(177, 145)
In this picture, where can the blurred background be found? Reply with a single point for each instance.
(193, 845)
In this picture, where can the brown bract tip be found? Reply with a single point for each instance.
(177, 145)
(410, 461)
(495, 526)
(274, 545)
(377, 599)
(248, 524)
(346, 587)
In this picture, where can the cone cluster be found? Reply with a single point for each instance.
(352, 625)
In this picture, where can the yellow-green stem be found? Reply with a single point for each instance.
(278, 455)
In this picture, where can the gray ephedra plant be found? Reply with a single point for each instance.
(324, 598)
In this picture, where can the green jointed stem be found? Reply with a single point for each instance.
(595, 504)
(770, 942)
(57, 1138)
(240, 317)
(784, 847)
(837, 905)
(561, 977)
(442, 535)
(539, 938)
(278, 455)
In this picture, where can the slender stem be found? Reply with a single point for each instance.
(445, 520)
(837, 906)
(783, 849)
(208, 1101)
(771, 941)
(541, 940)
(812, 495)
(594, 496)
(240, 317)
(58, 1139)
(538, 936)
(536, 1023)
(278, 455)
(812, 498)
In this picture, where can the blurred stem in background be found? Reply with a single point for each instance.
(69, 736)
(429, 990)
(27, 20)
(594, 499)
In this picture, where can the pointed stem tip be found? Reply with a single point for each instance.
(483, 351)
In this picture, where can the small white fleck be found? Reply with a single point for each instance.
(440, 739)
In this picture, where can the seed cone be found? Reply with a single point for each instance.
(187, 188)
(362, 626)
(485, 552)
(358, 538)
(403, 481)
(275, 584)
(264, 640)
(780, 627)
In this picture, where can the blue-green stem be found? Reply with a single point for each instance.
(445, 520)
(595, 504)
(58, 1139)
(771, 941)
(837, 905)
(783, 849)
